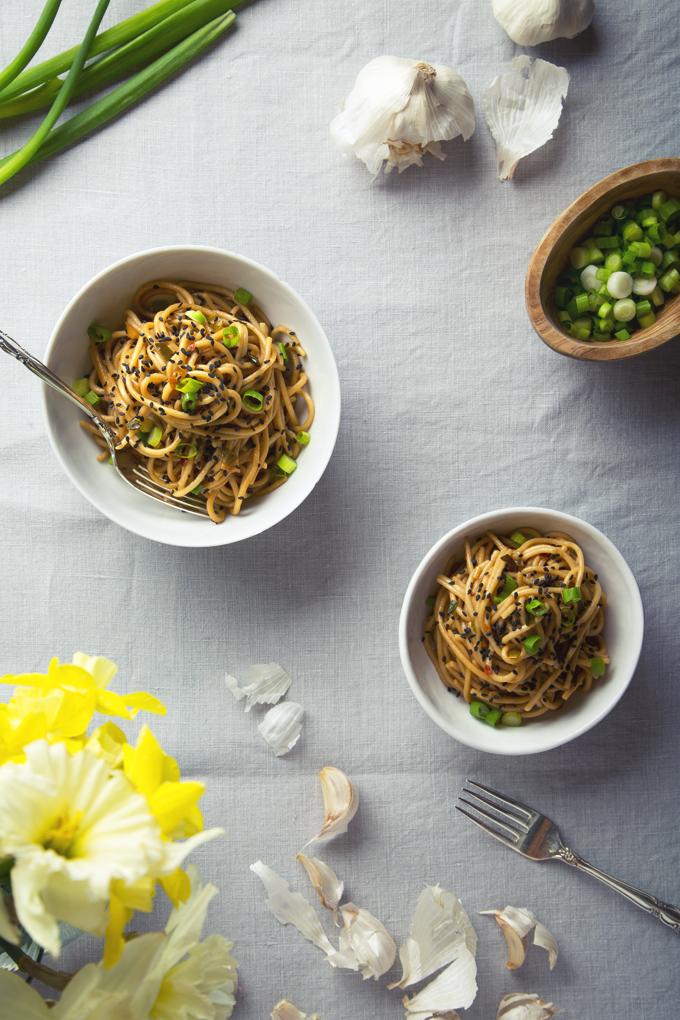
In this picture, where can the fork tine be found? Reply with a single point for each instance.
(487, 828)
(519, 822)
(507, 801)
(485, 814)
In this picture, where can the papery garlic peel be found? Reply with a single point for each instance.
(285, 1010)
(328, 886)
(401, 108)
(530, 22)
(340, 803)
(516, 924)
(523, 1006)
(368, 939)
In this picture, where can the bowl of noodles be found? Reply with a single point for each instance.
(521, 630)
(218, 381)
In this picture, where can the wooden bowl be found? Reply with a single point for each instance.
(552, 256)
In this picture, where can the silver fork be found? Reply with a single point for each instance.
(124, 461)
(535, 836)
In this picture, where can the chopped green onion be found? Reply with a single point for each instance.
(252, 400)
(284, 352)
(110, 460)
(230, 336)
(155, 436)
(669, 280)
(571, 595)
(622, 334)
(188, 402)
(597, 667)
(657, 297)
(632, 231)
(493, 716)
(613, 262)
(146, 425)
(658, 199)
(668, 210)
(243, 296)
(188, 385)
(193, 450)
(195, 492)
(647, 320)
(100, 334)
(81, 387)
(518, 538)
(536, 608)
(429, 602)
(197, 317)
(533, 643)
(624, 310)
(92, 398)
(479, 709)
(287, 464)
(642, 308)
(619, 211)
(303, 438)
(508, 588)
(511, 719)
(453, 604)
(579, 257)
(568, 617)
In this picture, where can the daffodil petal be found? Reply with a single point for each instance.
(100, 669)
(8, 931)
(170, 802)
(19, 1000)
(119, 916)
(177, 887)
(109, 703)
(139, 896)
(143, 702)
(146, 768)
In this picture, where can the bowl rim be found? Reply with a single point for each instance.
(472, 525)
(644, 339)
(121, 518)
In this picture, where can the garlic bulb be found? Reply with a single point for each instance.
(529, 22)
(401, 108)
(522, 109)
(340, 803)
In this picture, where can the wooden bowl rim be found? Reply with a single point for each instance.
(561, 342)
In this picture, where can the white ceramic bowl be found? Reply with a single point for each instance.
(623, 630)
(103, 300)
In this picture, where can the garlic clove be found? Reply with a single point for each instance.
(454, 988)
(340, 803)
(523, 108)
(265, 684)
(369, 940)
(537, 21)
(517, 923)
(521, 1006)
(441, 929)
(546, 940)
(401, 108)
(285, 1010)
(281, 726)
(328, 886)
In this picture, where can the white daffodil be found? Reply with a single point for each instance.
(74, 827)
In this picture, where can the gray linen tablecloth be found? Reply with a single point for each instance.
(451, 406)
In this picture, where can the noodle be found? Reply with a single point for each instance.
(476, 643)
(214, 442)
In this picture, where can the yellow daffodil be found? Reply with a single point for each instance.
(83, 837)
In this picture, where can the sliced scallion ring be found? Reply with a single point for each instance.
(230, 336)
(193, 450)
(81, 387)
(429, 602)
(287, 464)
(188, 385)
(252, 400)
(188, 402)
(197, 317)
(303, 438)
(100, 334)
(243, 296)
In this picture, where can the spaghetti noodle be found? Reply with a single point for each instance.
(517, 624)
(204, 392)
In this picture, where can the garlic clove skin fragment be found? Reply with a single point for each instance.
(368, 940)
(523, 108)
(285, 1010)
(440, 931)
(530, 22)
(523, 1006)
(340, 803)
(328, 886)
(516, 924)
(401, 108)
(455, 988)
(281, 726)
(265, 684)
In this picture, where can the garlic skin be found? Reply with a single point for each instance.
(368, 940)
(440, 931)
(401, 108)
(328, 886)
(455, 988)
(520, 1006)
(285, 1010)
(265, 684)
(530, 22)
(340, 803)
(523, 108)
(281, 726)
(516, 924)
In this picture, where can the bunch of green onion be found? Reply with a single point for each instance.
(622, 275)
(163, 38)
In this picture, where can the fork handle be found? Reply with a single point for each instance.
(666, 913)
(46, 375)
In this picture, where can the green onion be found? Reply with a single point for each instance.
(669, 209)
(195, 492)
(243, 296)
(155, 436)
(642, 308)
(479, 709)
(129, 92)
(669, 280)
(188, 385)
(92, 398)
(100, 334)
(597, 667)
(429, 602)
(252, 400)
(493, 716)
(533, 643)
(508, 588)
(619, 211)
(32, 45)
(197, 317)
(81, 387)
(568, 617)
(518, 538)
(284, 352)
(579, 258)
(536, 608)
(188, 402)
(571, 595)
(511, 719)
(303, 438)
(647, 320)
(452, 606)
(287, 464)
(193, 450)
(230, 336)
(146, 425)
(622, 334)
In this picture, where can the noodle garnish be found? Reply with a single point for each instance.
(204, 392)
(517, 628)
